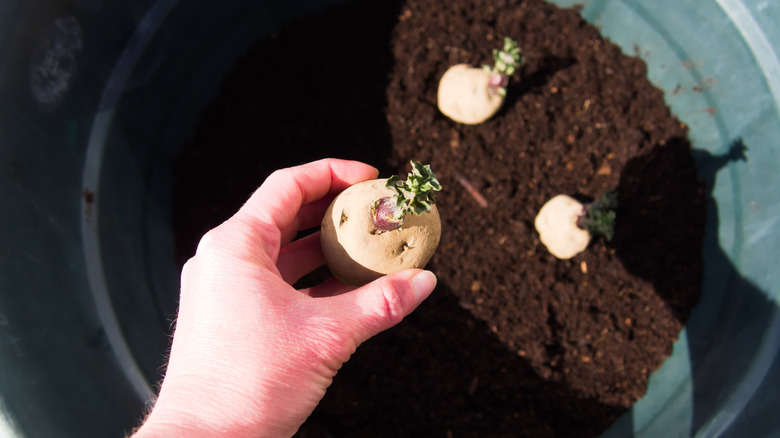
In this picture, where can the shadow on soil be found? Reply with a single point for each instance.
(660, 223)
(260, 126)
(443, 373)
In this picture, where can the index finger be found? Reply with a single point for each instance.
(280, 198)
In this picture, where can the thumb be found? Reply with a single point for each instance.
(384, 302)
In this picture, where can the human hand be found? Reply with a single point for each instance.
(251, 356)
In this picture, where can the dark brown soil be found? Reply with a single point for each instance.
(513, 342)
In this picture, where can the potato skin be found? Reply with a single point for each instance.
(464, 95)
(556, 223)
(357, 256)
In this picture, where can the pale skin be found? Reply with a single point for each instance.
(465, 95)
(557, 227)
(357, 254)
(471, 95)
(252, 356)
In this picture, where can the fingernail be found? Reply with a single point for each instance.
(422, 285)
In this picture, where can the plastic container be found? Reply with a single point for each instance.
(97, 96)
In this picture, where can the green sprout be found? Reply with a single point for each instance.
(414, 195)
(599, 216)
(506, 61)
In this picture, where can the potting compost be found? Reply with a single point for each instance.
(513, 342)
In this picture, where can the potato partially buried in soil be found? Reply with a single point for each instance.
(465, 95)
(357, 253)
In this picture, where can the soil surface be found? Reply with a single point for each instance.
(513, 342)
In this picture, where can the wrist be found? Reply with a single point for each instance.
(185, 413)
(156, 426)
(166, 424)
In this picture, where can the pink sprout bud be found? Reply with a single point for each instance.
(498, 80)
(385, 214)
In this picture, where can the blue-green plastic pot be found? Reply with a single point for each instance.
(96, 96)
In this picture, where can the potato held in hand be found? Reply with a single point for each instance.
(382, 226)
